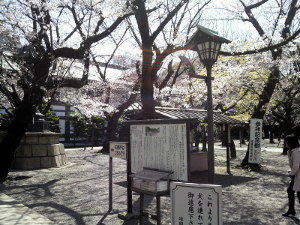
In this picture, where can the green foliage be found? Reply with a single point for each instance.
(80, 124)
(53, 121)
(243, 117)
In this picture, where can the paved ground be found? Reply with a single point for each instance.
(78, 193)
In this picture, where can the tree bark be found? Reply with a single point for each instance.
(265, 97)
(23, 115)
(232, 149)
(114, 119)
(14, 134)
(147, 88)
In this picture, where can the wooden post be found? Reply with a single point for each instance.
(110, 197)
(129, 191)
(228, 148)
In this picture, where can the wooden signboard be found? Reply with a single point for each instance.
(160, 146)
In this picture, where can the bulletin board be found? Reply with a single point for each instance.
(162, 146)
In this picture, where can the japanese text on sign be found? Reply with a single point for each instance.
(117, 150)
(255, 141)
(196, 204)
(160, 146)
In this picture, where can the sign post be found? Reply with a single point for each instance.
(116, 150)
(255, 141)
(196, 203)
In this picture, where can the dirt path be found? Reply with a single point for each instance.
(78, 193)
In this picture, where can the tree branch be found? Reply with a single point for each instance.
(264, 49)
(167, 20)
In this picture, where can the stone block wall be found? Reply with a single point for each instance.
(40, 150)
(40, 156)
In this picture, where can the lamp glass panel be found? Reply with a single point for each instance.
(201, 50)
(215, 50)
(207, 46)
(200, 47)
(208, 50)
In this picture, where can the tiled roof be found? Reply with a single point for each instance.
(201, 115)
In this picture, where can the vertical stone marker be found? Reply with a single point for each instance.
(199, 204)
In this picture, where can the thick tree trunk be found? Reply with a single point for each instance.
(14, 134)
(23, 114)
(114, 119)
(147, 89)
(265, 97)
(147, 98)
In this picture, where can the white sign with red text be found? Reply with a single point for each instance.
(118, 150)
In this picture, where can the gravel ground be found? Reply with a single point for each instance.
(78, 193)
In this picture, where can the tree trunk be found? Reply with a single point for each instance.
(232, 149)
(147, 89)
(23, 114)
(11, 141)
(204, 139)
(265, 97)
(271, 134)
(114, 119)
(224, 140)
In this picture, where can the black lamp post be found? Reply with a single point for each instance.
(208, 44)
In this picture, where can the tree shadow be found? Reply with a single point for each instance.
(220, 179)
(295, 219)
(73, 214)
(35, 188)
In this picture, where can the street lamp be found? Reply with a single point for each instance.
(208, 44)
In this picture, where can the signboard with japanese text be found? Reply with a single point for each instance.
(160, 146)
(255, 141)
(199, 204)
(118, 150)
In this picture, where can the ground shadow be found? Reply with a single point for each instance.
(73, 214)
(295, 219)
(202, 178)
(109, 212)
(220, 179)
(35, 188)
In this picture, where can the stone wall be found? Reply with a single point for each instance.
(40, 150)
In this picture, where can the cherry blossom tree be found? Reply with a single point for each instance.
(38, 35)
(281, 35)
(275, 46)
(161, 28)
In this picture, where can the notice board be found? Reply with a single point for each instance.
(255, 140)
(160, 146)
(196, 203)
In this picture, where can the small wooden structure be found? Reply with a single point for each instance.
(153, 182)
(199, 159)
(165, 144)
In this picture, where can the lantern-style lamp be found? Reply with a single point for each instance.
(208, 44)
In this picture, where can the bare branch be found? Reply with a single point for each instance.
(264, 49)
